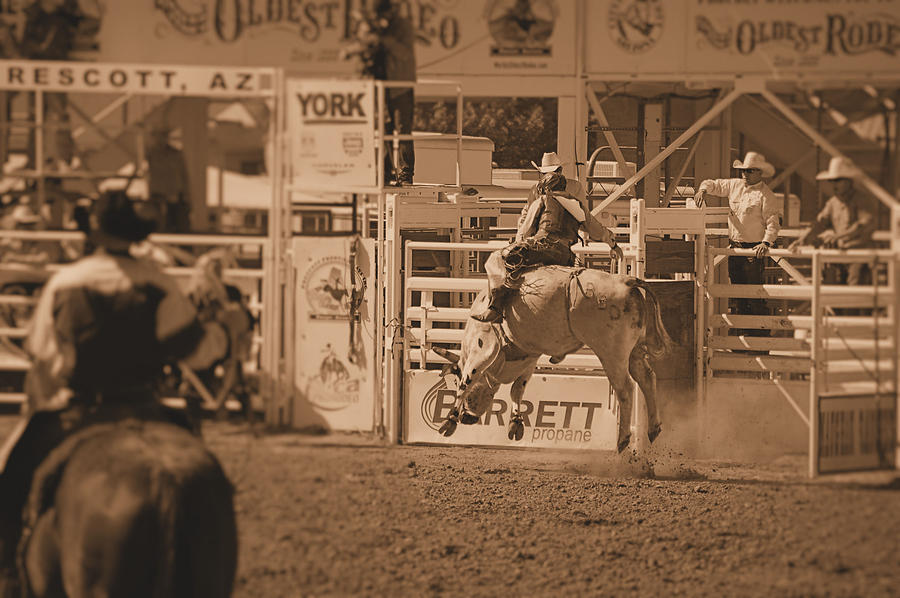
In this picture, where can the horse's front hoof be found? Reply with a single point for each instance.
(516, 430)
(448, 428)
(653, 432)
(623, 443)
(468, 418)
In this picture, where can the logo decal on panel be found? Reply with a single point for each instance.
(327, 288)
(636, 25)
(521, 27)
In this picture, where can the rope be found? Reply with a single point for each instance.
(573, 276)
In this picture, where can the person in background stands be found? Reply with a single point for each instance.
(753, 223)
(385, 43)
(847, 221)
(548, 228)
(28, 251)
(51, 27)
(168, 182)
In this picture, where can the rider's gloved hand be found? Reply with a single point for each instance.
(615, 252)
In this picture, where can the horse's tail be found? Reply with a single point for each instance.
(656, 340)
(199, 533)
(167, 512)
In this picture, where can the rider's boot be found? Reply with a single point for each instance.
(500, 296)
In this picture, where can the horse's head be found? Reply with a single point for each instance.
(476, 366)
(476, 397)
(481, 352)
(215, 261)
(206, 287)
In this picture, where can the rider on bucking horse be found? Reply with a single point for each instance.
(548, 228)
(101, 333)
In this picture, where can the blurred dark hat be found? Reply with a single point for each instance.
(117, 215)
(383, 6)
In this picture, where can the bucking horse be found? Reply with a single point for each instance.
(558, 311)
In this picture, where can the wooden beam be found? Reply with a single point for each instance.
(604, 122)
(873, 187)
(833, 136)
(652, 164)
(671, 187)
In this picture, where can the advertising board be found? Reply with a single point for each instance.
(777, 36)
(772, 38)
(505, 37)
(562, 412)
(856, 432)
(75, 76)
(331, 127)
(335, 339)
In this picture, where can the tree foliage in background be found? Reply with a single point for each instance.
(522, 129)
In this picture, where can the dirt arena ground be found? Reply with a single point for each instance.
(344, 515)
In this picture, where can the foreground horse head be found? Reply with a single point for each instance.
(558, 311)
(139, 510)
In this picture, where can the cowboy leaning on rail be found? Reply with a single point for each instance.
(102, 330)
(548, 228)
(847, 221)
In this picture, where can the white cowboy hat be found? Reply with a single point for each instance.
(839, 168)
(549, 162)
(755, 160)
(23, 214)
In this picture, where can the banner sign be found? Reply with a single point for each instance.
(331, 125)
(635, 36)
(777, 38)
(500, 37)
(504, 37)
(571, 412)
(856, 432)
(136, 79)
(335, 371)
(828, 36)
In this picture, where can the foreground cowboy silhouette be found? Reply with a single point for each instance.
(100, 335)
(548, 228)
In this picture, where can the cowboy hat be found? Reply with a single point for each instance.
(839, 168)
(119, 216)
(23, 214)
(549, 162)
(755, 160)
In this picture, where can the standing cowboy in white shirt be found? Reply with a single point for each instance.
(753, 223)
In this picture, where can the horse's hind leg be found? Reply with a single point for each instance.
(640, 369)
(617, 373)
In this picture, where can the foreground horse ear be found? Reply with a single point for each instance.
(450, 356)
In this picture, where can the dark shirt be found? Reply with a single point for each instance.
(387, 48)
(167, 172)
(48, 36)
(106, 323)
